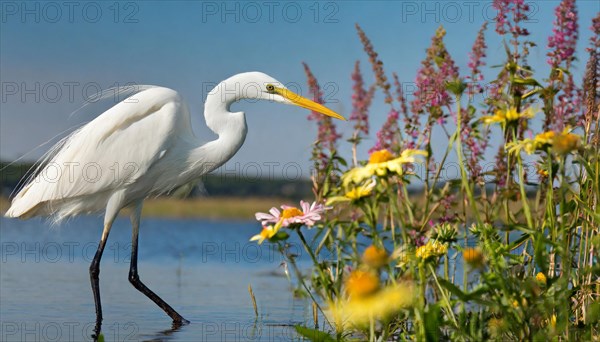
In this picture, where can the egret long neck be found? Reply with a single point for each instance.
(229, 126)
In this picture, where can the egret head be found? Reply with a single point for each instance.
(264, 87)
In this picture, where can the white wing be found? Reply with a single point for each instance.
(109, 153)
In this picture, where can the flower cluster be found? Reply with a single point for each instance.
(361, 100)
(388, 135)
(327, 135)
(595, 39)
(501, 235)
(432, 249)
(476, 61)
(517, 10)
(563, 42)
(377, 64)
(437, 69)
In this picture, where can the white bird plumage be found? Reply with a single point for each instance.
(142, 146)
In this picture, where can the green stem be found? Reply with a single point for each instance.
(444, 295)
(524, 193)
(465, 182)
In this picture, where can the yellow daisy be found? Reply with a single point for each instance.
(375, 257)
(380, 164)
(266, 233)
(510, 114)
(359, 311)
(356, 193)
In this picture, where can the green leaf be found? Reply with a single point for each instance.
(540, 253)
(515, 244)
(342, 161)
(593, 314)
(280, 236)
(531, 93)
(454, 289)
(526, 81)
(314, 334)
(456, 87)
(432, 323)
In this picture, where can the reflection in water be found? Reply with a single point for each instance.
(201, 268)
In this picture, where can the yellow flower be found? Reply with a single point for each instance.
(565, 143)
(354, 194)
(380, 156)
(562, 143)
(361, 284)
(545, 138)
(361, 191)
(380, 305)
(543, 173)
(553, 321)
(267, 232)
(541, 277)
(504, 116)
(432, 248)
(291, 212)
(515, 147)
(375, 257)
(380, 165)
(473, 256)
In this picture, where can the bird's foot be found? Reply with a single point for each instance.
(97, 328)
(177, 323)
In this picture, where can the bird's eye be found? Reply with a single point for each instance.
(270, 88)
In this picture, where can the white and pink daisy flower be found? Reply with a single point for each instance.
(308, 216)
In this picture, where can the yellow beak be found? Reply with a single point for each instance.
(306, 103)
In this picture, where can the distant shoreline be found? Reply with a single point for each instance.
(236, 208)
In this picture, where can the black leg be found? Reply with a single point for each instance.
(134, 278)
(95, 280)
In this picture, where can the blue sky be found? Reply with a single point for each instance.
(55, 55)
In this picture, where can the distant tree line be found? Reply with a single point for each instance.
(209, 185)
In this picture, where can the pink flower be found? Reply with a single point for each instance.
(564, 40)
(289, 215)
(596, 30)
(327, 135)
(380, 78)
(517, 9)
(476, 61)
(387, 137)
(361, 100)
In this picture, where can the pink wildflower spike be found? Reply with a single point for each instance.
(563, 42)
(361, 100)
(327, 135)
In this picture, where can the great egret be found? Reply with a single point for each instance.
(143, 146)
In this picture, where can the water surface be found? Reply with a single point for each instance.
(201, 268)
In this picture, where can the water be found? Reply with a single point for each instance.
(201, 268)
